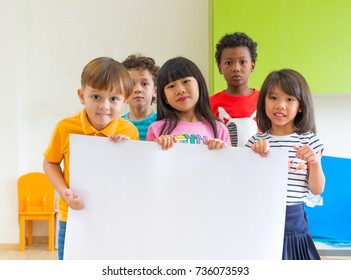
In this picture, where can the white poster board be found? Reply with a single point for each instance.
(186, 203)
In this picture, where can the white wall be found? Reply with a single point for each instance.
(333, 115)
(44, 47)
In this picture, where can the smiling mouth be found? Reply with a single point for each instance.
(182, 99)
(279, 115)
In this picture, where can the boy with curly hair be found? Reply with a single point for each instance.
(236, 56)
(144, 72)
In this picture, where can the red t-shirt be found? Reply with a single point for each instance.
(238, 113)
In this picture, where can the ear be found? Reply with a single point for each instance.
(154, 94)
(300, 110)
(81, 95)
(219, 69)
(253, 65)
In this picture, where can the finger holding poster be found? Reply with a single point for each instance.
(143, 203)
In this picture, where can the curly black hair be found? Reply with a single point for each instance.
(237, 39)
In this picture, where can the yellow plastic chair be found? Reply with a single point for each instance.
(36, 201)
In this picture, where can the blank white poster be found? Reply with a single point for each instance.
(186, 203)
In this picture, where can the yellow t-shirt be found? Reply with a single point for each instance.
(58, 148)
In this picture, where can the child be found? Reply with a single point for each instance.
(143, 72)
(106, 85)
(183, 109)
(285, 116)
(236, 106)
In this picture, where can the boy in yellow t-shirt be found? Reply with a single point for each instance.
(105, 88)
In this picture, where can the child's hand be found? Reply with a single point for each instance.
(307, 154)
(261, 147)
(73, 200)
(215, 144)
(166, 141)
(118, 138)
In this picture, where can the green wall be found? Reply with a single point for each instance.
(310, 36)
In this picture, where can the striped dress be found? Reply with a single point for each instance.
(298, 243)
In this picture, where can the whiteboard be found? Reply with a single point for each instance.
(145, 203)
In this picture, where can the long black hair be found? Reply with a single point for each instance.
(175, 69)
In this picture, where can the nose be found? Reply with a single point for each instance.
(236, 67)
(137, 88)
(281, 104)
(180, 89)
(104, 106)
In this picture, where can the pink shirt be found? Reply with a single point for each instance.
(191, 132)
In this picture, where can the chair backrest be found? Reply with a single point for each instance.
(35, 193)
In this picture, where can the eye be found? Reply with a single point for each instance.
(115, 99)
(95, 97)
(169, 86)
(186, 81)
(228, 63)
(243, 62)
(291, 99)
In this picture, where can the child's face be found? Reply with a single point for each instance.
(144, 89)
(183, 94)
(236, 66)
(281, 109)
(102, 106)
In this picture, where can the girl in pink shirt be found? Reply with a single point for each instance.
(184, 114)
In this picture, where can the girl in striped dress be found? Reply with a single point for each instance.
(285, 116)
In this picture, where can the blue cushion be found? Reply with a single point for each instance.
(332, 220)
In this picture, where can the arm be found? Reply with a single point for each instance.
(316, 178)
(54, 173)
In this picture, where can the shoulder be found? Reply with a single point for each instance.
(156, 126)
(307, 137)
(253, 96)
(70, 119)
(217, 95)
(70, 124)
(127, 128)
(126, 124)
(221, 125)
(256, 91)
(152, 117)
(154, 130)
(311, 139)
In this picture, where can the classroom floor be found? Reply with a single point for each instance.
(33, 252)
(40, 252)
